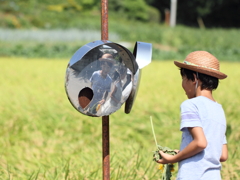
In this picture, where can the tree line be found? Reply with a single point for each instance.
(211, 13)
(214, 13)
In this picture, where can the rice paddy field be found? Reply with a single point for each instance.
(42, 137)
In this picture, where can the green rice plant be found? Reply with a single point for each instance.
(43, 137)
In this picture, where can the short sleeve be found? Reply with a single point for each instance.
(189, 115)
(92, 77)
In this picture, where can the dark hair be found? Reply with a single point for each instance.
(208, 82)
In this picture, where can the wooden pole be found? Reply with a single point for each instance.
(105, 119)
(104, 20)
(105, 148)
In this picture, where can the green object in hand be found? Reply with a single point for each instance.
(166, 168)
(157, 156)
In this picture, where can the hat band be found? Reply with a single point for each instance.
(189, 63)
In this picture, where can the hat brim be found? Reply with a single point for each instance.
(203, 70)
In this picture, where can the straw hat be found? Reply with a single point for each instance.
(107, 57)
(202, 62)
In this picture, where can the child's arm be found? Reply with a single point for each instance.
(224, 155)
(198, 144)
(104, 98)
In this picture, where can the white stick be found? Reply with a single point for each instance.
(153, 132)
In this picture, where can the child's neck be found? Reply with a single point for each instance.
(206, 93)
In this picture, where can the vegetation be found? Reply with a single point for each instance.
(69, 13)
(56, 29)
(214, 13)
(41, 14)
(43, 137)
(168, 43)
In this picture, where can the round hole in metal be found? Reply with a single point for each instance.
(85, 96)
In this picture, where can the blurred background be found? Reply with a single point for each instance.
(57, 28)
(43, 137)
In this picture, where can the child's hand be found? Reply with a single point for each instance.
(102, 101)
(166, 158)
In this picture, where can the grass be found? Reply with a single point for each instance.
(43, 137)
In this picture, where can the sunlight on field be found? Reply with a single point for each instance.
(43, 137)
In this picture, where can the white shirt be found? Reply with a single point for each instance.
(205, 113)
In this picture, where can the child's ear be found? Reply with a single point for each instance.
(195, 78)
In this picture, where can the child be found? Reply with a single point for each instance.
(101, 81)
(203, 122)
(114, 102)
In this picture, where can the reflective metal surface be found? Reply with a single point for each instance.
(133, 94)
(143, 53)
(100, 78)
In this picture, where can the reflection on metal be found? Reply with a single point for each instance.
(133, 94)
(99, 78)
(103, 75)
(143, 54)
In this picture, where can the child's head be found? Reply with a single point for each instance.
(205, 67)
(107, 59)
(199, 69)
(106, 62)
